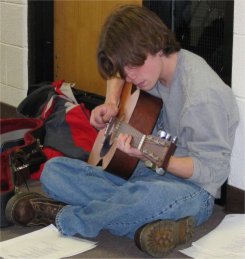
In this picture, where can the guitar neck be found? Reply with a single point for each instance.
(125, 128)
(154, 148)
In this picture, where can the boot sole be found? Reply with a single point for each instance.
(12, 203)
(159, 238)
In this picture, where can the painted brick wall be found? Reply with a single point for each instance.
(237, 176)
(13, 51)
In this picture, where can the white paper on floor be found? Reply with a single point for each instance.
(44, 243)
(227, 240)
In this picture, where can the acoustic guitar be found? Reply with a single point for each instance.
(137, 116)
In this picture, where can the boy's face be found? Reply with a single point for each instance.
(146, 76)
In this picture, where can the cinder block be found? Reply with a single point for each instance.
(16, 67)
(13, 24)
(239, 18)
(11, 95)
(3, 63)
(238, 65)
(237, 175)
(17, 1)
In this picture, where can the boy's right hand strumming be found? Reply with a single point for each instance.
(101, 114)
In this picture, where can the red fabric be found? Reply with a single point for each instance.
(83, 134)
(9, 125)
(58, 84)
(6, 179)
(50, 153)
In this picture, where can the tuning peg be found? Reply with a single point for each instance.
(168, 136)
(174, 139)
(160, 171)
(161, 134)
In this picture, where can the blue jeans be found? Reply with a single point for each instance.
(99, 200)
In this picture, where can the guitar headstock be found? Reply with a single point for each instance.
(155, 149)
(158, 150)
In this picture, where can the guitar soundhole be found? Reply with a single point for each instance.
(106, 146)
(107, 143)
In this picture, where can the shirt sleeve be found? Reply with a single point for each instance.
(206, 137)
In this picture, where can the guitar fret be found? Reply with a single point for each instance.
(141, 142)
(122, 127)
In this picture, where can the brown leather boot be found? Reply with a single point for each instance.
(160, 237)
(32, 209)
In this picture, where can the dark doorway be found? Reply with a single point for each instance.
(204, 27)
(40, 42)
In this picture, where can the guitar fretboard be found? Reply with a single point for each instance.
(123, 127)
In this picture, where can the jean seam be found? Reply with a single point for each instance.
(58, 223)
(208, 206)
(206, 203)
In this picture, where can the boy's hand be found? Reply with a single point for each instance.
(123, 143)
(101, 114)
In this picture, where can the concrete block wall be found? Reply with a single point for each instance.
(237, 175)
(13, 51)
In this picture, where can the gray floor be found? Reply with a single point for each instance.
(109, 246)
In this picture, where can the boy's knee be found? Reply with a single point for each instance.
(49, 170)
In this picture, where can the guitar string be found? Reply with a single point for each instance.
(123, 127)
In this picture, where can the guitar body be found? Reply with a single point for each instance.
(140, 110)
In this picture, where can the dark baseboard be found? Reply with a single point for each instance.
(7, 111)
(235, 202)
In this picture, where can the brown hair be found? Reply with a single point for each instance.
(129, 34)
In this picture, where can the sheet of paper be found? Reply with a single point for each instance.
(45, 243)
(194, 252)
(226, 241)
